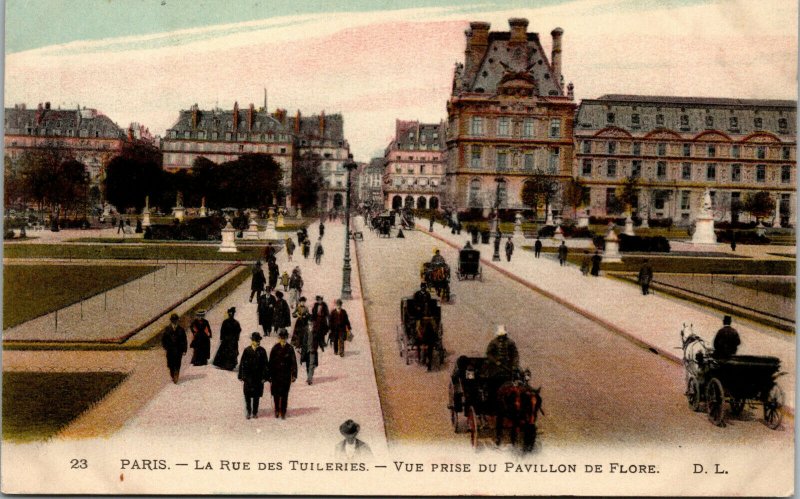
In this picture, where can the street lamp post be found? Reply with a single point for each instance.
(347, 292)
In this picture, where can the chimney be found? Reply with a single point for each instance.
(47, 105)
(556, 55)
(477, 43)
(235, 116)
(297, 122)
(322, 124)
(130, 133)
(519, 27)
(250, 117)
(194, 115)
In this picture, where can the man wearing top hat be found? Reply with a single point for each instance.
(253, 372)
(502, 355)
(201, 339)
(173, 340)
(340, 327)
(282, 371)
(319, 320)
(726, 341)
(351, 448)
(257, 281)
(281, 315)
(228, 351)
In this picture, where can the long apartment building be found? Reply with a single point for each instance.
(676, 147)
(510, 116)
(414, 166)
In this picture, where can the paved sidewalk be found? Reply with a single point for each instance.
(209, 401)
(652, 321)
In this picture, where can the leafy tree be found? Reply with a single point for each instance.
(14, 193)
(628, 193)
(576, 194)
(539, 190)
(135, 173)
(39, 171)
(71, 188)
(759, 205)
(307, 180)
(250, 181)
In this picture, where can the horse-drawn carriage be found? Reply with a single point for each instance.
(407, 220)
(738, 380)
(494, 403)
(436, 275)
(469, 264)
(420, 332)
(382, 224)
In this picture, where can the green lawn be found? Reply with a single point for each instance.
(36, 406)
(130, 252)
(33, 290)
(780, 288)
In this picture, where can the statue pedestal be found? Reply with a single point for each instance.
(299, 213)
(179, 212)
(146, 218)
(704, 231)
(252, 230)
(583, 220)
(629, 227)
(558, 235)
(203, 211)
(644, 225)
(611, 253)
(280, 221)
(270, 234)
(519, 236)
(228, 244)
(549, 219)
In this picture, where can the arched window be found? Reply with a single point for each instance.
(421, 203)
(434, 203)
(337, 200)
(397, 202)
(409, 202)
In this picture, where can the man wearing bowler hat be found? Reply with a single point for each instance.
(351, 448)
(283, 372)
(173, 340)
(253, 372)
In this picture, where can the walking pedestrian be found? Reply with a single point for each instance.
(321, 229)
(201, 339)
(173, 339)
(283, 372)
(253, 372)
(302, 317)
(228, 351)
(266, 310)
(295, 287)
(289, 247)
(319, 319)
(121, 227)
(306, 248)
(537, 247)
(645, 276)
(430, 225)
(596, 258)
(509, 249)
(285, 280)
(562, 253)
(274, 272)
(340, 328)
(281, 315)
(586, 263)
(309, 344)
(318, 252)
(257, 281)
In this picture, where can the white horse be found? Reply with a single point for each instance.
(695, 351)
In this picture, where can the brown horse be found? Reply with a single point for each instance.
(427, 338)
(520, 404)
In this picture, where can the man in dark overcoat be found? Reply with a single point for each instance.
(321, 229)
(274, 272)
(283, 372)
(257, 282)
(537, 247)
(562, 253)
(645, 276)
(726, 341)
(596, 258)
(253, 372)
(281, 315)
(266, 309)
(509, 249)
(319, 320)
(201, 339)
(340, 326)
(173, 340)
(306, 248)
(309, 346)
(228, 351)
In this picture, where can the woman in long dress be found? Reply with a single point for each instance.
(228, 351)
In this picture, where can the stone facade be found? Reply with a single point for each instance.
(510, 116)
(370, 183)
(84, 134)
(676, 147)
(414, 166)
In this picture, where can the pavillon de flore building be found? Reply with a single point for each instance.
(414, 166)
(510, 115)
(223, 135)
(676, 147)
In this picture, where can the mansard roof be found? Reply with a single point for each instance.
(22, 121)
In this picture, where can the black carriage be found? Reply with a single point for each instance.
(383, 224)
(738, 380)
(469, 265)
(436, 275)
(420, 332)
(490, 404)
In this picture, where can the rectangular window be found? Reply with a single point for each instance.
(612, 147)
(637, 148)
(527, 128)
(734, 123)
(735, 151)
(687, 150)
(555, 160)
(712, 151)
(709, 121)
(661, 170)
(635, 119)
(662, 149)
(398, 169)
(611, 168)
(555, 128)
(711, 171)
(758, 123)
(783, 124)
(502, 159)
(684, 122)
(659, 120)
(736, 172)
(761, 173)
(609, 117)
(636, 168)
(476, 125)
(686, 171)
(786, 174)
(586, 170)
(786, 153)
(660, 197)
(422, 169)
(503, 128)
(529, 161)
(586, 147)
(761, 152)
(475, 161)
(685, 204)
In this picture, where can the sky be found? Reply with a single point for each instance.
(375, 61)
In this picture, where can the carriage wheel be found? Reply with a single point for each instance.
(737, 406)
(693, 394)
(454, 419)
(773, 407)
(472, 421)
(715, 402)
